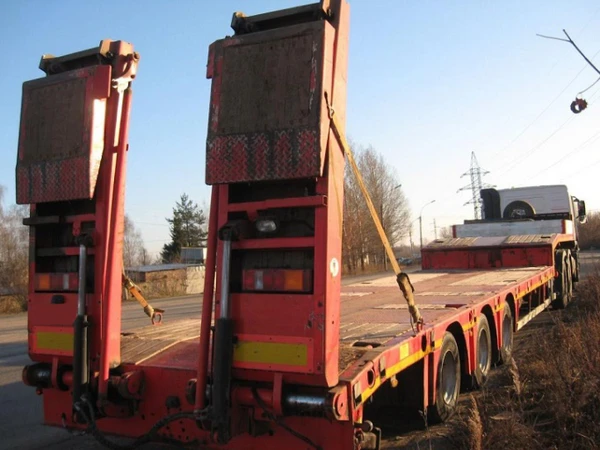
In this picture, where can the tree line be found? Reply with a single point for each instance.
(361, 243)
(14, 246)
(589, 232)
(187, 227)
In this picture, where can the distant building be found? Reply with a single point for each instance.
(168, 280)
(193, 255)
(6, 292)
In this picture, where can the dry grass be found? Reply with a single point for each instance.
(12, 304)
(549, 396)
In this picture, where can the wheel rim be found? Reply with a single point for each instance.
(506, 333)
(483, 351)
(449, 378)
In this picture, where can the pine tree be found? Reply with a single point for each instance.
(187, 228)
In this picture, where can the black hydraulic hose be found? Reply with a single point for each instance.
(281, 423)
(89, 416)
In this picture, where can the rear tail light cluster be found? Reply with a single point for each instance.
(56, 282)
(278, 280)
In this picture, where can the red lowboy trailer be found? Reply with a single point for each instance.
(283, 356)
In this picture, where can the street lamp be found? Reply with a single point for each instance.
(421, 223)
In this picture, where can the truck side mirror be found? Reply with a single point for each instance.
(581, 214)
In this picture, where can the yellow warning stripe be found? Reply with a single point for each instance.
(498, 308)
(406, 360)
(467, 326)
(533, 287)
(52, 340)
(254, 352)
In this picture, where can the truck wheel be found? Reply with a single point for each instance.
(448, 381)
(577, 269)
(563, 285)
(507, 335)
(483, 361)
(569, 281)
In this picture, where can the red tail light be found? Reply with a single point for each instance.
(281, 280)
(56, 282)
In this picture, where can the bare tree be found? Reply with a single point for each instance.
(362, 244)
(14, 245)
(589, 232)
(134, 252)
(445, 232)
(355, 218)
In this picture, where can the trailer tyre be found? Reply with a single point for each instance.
(483, 362)
(577, 269)
(448, 381)
(563, 285)
(507, 335)
(569, 281)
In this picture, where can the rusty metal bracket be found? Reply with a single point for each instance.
(155, 314)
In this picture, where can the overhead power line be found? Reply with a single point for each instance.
(502, 150)
(592, 139)
(579, 104)
(515, 139)
(523, 156)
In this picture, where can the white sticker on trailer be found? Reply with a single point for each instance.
(334, 267)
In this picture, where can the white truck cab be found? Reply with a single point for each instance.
(537, 201)
(527, 211)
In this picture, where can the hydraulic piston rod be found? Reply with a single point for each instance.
(80, 331)
(223, 346)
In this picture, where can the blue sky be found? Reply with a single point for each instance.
(428, 83)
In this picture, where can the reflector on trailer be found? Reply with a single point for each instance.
(42, 282)
(56, 282)
(266, 225)
(282, 280)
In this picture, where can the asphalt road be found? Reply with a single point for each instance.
(21, 414)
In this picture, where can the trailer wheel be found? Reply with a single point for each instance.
(483, 362)
(576, 269)
(448, 381)
(569, 281)
(563, 284)
(507, 335)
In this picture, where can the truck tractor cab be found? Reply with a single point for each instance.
(532, 214)
(532, 203)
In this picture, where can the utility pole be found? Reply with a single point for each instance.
(475, 173)
(420, 232)
(434, 229)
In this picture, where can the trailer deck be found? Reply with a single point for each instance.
(373, 314)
